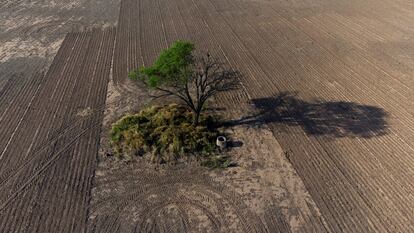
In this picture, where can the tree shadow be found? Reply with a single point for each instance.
(338, 119)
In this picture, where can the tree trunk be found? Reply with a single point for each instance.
(196, 118)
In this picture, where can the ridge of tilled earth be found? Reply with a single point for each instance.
(347, 65)
(50, 131)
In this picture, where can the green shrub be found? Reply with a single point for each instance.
(217, 161)
(167, 132)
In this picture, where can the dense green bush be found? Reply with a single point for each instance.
(166, 132)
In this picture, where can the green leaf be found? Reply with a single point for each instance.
(172, 66)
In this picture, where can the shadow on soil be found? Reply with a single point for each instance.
(339, 119)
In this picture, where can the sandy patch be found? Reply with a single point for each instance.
(27, 48)
(263, 192)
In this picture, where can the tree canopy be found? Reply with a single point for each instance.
(172, 66)
(177, 72)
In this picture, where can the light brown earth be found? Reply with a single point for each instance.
(31, 32)
(344, 73)
(331, 80)
(262, 193)
(50, 117)
(50, 136)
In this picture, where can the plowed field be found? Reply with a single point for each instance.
(331, 80)
(50, 135)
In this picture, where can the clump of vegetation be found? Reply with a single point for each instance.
(172, 131)
(167, 133)
(217, 161)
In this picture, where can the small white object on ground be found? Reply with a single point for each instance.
(221, 142)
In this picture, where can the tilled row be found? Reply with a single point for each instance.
(356, 169)
(190, 22)
(49, 156)
(361, 168)
(331, 147)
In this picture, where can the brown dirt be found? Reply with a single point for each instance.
(342, 70)
(50, 116)
(48, 150)
(262, 193)
(332, 81)
(31, 32)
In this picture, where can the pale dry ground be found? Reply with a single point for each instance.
(262, 193)
(50, 138)
(333, 79)
(50, 117)
(31, 32)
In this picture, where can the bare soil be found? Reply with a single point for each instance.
(50, 135)
(261, 193)
(325, 116)
(31, 32)
(332, 80)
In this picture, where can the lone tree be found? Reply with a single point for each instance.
(193, 79)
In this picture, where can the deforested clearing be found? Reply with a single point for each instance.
(322, 126)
